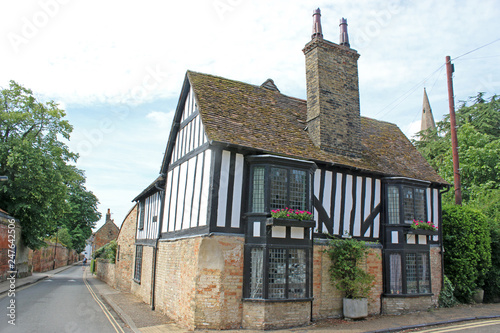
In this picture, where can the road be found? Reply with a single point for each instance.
(476, 326)
(65, 302)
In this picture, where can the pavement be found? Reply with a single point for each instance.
(140, 318)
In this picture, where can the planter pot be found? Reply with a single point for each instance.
(355, 308)
(422, 232)
(478, 296)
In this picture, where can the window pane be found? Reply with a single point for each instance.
(277, 273)
(393, 204)
(296, 273)
(298, 189)
(408, 204)
(278, 188)
(256, 272)
(411, 273)
(396, 286)
(138, 263)
(258, 189)
(420, 204)
(423, 273)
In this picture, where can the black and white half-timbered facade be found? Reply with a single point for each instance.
(215, 256)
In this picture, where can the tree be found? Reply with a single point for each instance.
(479, 152)
(479, 149)
(38, 164)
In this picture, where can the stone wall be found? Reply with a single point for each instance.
(105, 271)
(124, 267)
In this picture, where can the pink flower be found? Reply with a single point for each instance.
(287, 214)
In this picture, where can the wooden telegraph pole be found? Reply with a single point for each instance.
(453, 127)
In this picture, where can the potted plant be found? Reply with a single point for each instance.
(346, 274)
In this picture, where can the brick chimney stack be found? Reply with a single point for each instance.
(108, 215)
(333, 112)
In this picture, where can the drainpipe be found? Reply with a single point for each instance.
(441, 236)
(155, 248)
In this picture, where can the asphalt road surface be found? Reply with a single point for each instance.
(65, 302)
(476, 326)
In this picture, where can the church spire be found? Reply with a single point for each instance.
(427, 117)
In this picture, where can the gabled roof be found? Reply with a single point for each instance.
(265, 120)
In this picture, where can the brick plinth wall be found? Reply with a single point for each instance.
(327, 299)
(274, 315)
(200, 281)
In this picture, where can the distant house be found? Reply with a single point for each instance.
(108, 232)
(207, 251)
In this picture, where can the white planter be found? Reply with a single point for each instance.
(355, 308)
(478, 296)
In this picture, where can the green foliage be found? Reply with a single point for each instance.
(63, 237)
(492, 283)
(447, 298)
(346, 274)
(92, 266)
(43, 187)
(107, 251)
(467, 256)
(478, 136)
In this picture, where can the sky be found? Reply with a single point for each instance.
(117, 67)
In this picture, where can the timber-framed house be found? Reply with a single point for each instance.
(208, 252)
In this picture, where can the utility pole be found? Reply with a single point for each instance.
(453, 126)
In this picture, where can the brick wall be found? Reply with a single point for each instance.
(23, 265)
(333, 111)
(436, 274)
(274, 315)
(124, 266)
(43, 258)
(327, 299)
(200, 281)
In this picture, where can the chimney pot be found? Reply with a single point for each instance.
(344, 37)
(317, 31)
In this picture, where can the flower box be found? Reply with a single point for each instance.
(422, 232)
(274, 221)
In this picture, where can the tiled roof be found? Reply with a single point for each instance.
(251, 116)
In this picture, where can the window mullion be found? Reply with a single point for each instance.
(287, 273)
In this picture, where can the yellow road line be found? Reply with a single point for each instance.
(110, 317)
(463, 326)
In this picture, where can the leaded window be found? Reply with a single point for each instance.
(405, 204)
(287, 273)
(286, 188)
(138, 263)
(409, 273)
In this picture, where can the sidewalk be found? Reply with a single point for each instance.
(21, 282)
(140, 318)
